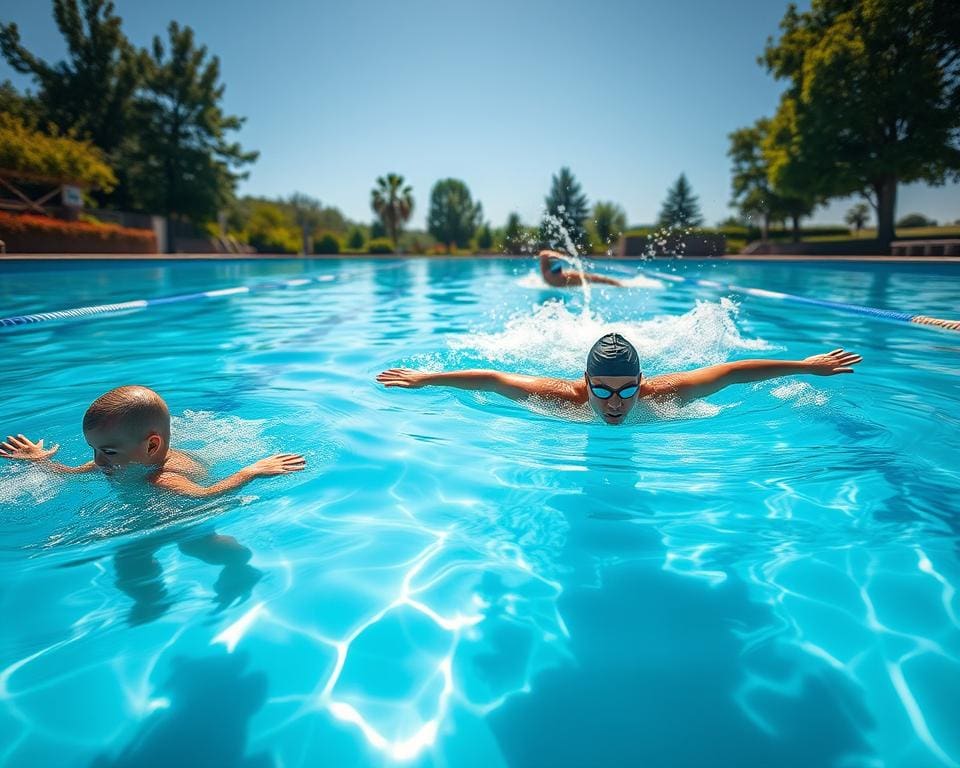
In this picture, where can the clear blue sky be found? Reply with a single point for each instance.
(499, 94)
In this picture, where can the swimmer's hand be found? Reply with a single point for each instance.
(21, 448)
(832, 363)
(403, 377)
(280, 464)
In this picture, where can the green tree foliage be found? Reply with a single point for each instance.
(484, 238)
(267, 227)
(514, 234)
(92, 90)
(22, 106)
(380, 245)
(873, 99)
(327, 243)
(916, 220)
(307, 213)
(681, 209)
(392, 201)
(453, 216)
(609, 222)
(183, 164)
(355, 240)
(753, 192)
(56, 157)
(567, 204)
(857, 216)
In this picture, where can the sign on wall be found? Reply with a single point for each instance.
(71, 196)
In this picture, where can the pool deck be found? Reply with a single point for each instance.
(387, 257)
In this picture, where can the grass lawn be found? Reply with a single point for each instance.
(903, 233)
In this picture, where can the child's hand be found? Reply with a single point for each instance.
(280, 464)
(20, 447)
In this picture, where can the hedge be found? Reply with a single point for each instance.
(25, 150)
(27, 233)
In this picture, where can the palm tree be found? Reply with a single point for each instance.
(393, 203)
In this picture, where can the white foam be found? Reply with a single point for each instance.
(554, 338)
(801, 393)
(215, 438)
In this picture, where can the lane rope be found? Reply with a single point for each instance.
(884, 314)
(125, 306)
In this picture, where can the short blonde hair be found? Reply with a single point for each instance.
(130, 406)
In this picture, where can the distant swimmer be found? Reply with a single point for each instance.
(551, 267)
(612, 383)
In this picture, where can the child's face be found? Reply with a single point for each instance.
(117, 445)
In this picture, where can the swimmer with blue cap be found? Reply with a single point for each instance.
(613, 384)
(551, 267)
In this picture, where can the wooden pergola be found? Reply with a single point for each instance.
(22, 201)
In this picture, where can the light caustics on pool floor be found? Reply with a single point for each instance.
(437, 597)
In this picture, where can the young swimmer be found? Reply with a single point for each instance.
(131, 426)
(613, 384)
(554, 274)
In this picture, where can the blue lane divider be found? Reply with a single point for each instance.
(884, 314)
(126, 306)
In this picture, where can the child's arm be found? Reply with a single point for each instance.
(20, 448)
(281, 464)
(516, 386)
(706, 381)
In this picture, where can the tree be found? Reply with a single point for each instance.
(307, 213)
(858, 216)
(752, 195)
(916, 220)
(566, 207)
(91, 91)
(453, 216)
(609, 222)
(268, 227)
(393, 203)
(484, 239)
(681, 209)
(55, 157)
(514, 234)
(355, 240)
(182, 164)
(24, 107)
(873, 99)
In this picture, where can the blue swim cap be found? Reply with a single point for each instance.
(613, 355)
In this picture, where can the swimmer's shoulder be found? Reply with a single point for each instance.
(567, 390)
(182, 463)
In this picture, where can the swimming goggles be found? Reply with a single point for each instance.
(605, 393)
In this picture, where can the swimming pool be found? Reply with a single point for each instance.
(764, 578)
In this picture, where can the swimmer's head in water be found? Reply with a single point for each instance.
(613, 377)
(127, 425)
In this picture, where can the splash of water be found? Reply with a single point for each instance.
(554, 339)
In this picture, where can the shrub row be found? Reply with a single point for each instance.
(27, 233)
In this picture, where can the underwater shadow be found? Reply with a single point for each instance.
(668, 669)
(211, 701)
(655, 680)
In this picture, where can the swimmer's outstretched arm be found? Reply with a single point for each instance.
(281, 464)
(705, 381)
(20, 448)
(516, 386)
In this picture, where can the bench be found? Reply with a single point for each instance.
(925, 247)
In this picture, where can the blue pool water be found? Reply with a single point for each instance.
(768, 577)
